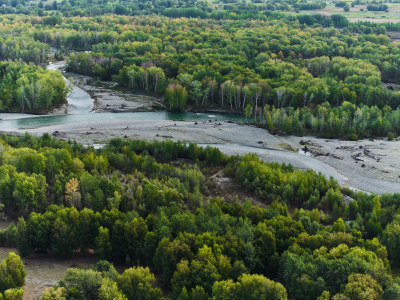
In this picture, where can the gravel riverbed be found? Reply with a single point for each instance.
(371, 166)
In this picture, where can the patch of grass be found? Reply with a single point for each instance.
(287, 147)
(356, 13)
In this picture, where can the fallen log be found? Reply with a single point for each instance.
(356, 157)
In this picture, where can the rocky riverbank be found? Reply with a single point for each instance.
(108, 99)
(376, 170)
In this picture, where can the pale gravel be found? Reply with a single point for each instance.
(370, 175)
(375, 177)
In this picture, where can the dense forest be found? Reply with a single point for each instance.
(346, 121)
(271, 64)
(25, 86)
(195, 63)
(30, 89)
(157, 208)
(172, 220)
(200, 8)
(230, 64)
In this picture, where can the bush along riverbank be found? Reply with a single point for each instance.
(346, 121)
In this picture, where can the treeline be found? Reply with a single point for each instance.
(345, 121)
(235, 10)
(377, 7)
(216, 247)
(309, 5)
(33, 179)
(24, 48)
(30, 89)
(97, 8)
(179, 8)
(139, 283)
(236, 65)
(26, 87)
(255, 12)
(373, 27)
(208, 64)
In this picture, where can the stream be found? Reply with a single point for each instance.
(79, 102)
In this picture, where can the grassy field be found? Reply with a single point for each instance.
(359, 13)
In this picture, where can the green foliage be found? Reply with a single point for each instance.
(137, 283)
(363, 286)
(339, 226)
(229, 64)
(103, 245)
(109, 291)
(345, 121)
(211, 249)
(292, 186)
(308, 275)
(392, 292)
(30, 89)
(392, 240)
(249, 287)
(107, 269)
(54, 293)
(23, 242)
(12, 277)
(64, 235)
(176, 97)
(205, 269)
(86, 282)
(14, 294)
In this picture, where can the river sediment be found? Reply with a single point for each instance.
(335, 161)
(371, 166)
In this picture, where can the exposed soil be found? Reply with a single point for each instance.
(45, 271)
(227, 188)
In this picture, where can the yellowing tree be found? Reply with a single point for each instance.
(72, 193)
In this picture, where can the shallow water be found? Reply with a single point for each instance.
(79, 102)
(80, 105)
(42, 121)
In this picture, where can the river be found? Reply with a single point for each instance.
(79, 102)
(80, 106)
(88, 127)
